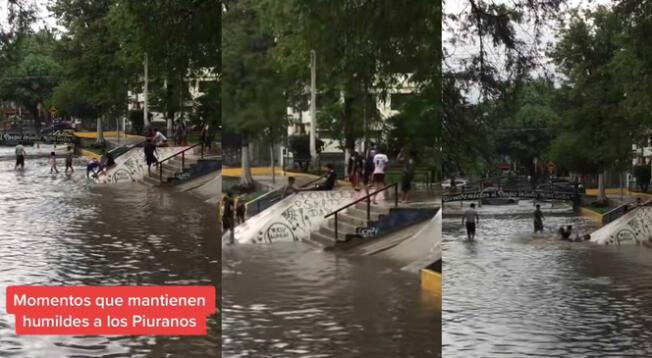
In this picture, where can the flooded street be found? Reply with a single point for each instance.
(510, 294)
(288, 299)
(59, 230)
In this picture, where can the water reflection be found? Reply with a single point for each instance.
(59, 230)
(289, 300)
(513, 294)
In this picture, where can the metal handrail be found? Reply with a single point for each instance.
(619, 211)
(275, 191)
(183, 158)
(368, 199)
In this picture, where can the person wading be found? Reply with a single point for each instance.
(471, 219)
(20, 157)
(538, 219)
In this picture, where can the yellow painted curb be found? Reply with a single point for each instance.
(90, 135)
(89, 154)
(593, 215)
(431, 281)
(616, 191)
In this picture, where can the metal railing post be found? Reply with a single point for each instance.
(368, 208)
(336, 238)
(183, 161)
(396, 195)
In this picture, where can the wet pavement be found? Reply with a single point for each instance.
(288, 299)
(513, 294)
(59, 230)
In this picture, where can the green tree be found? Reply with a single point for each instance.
(90, 66)
(254, 90)
(32, 74)
(596, 134)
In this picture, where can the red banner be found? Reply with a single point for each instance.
(111, 310)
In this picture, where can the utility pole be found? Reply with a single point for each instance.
(313, 108)
(145, 94)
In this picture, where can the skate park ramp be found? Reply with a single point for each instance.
(415, 247)
(633, 228)
(293, 218)
(207, 187)
(132, 167)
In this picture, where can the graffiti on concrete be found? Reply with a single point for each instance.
(294, 217)
(132, 167)
(367, 232)
(279, 231)
(632, 228)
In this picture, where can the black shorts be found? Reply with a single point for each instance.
(406, 182)
(470, 228)
(20, 160)
(151, 160)
(379, 178)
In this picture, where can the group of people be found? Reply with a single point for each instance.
(369, 171)
(20, 152)
(471, 219)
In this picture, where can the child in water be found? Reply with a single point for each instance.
(53, 163)
(69, 161)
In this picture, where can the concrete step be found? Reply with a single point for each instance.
(151, 181)
(330, 232)
(362, 214)
(352, 220)
(373, 208)
(341, 225)
(321, 240)
(188, 161)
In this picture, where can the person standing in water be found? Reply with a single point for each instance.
(20, 157)
(471, 219)
(53, 163)
(538, 220)
(69, 162)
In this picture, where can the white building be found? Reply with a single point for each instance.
(196, 88)
(387, 107)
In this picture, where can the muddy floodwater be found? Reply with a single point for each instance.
(289, 299)
(511, 294)
(60, 230)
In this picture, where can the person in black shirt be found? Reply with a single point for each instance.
(150, 157)
(331, 178)
(227, 213)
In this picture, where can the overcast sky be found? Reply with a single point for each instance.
(465, 48)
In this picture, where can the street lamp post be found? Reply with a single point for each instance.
(313, 108)
(145, 94)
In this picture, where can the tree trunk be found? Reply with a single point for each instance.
(100, 131)
(246, 178)
(602, 193)
(271, 153)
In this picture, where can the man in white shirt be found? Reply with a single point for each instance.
(20, 157)
(159, 138)
(380, 163)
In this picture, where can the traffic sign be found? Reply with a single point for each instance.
(53, 111)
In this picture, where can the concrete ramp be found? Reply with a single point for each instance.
(207, 187)
(292, 218)
(634, 228)
(132, 167)
(420, 249)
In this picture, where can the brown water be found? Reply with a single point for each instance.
(509, 294)
(59, 230)
(288, 299)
